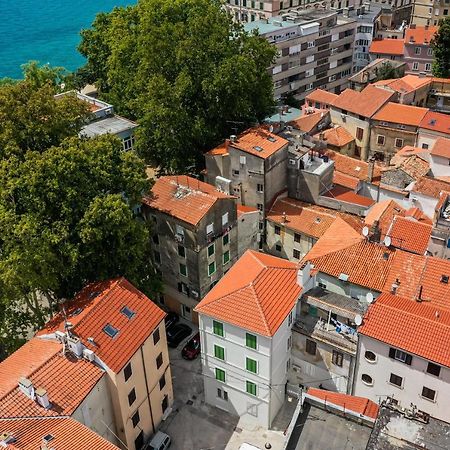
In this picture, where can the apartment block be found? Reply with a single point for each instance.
(195, 238)
(315, 50)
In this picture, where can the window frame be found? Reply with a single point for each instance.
(156, 336)
(397, 140)
(162, 381)
(277, 230)
(221, 350)
(131, 396)
(249, 339)
(225, 261)
(296, 252)
(133, 419)
(251, 365)
(218, 326)
(435, 366)
(309, 345)
(337, 358)
(225, 239)
(180, 265)
(395, 376)
(210, 254)
(430, 390)
(219, 374)
(159, 361)
(212, 264)
(251, 388)
(125, 375)
(383, 139)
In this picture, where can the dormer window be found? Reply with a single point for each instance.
(127, 312)
(110, 330)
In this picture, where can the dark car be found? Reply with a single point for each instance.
(192, 348)
(171, 319)
(176, 333)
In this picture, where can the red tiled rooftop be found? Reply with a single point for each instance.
(431, 187)
(418, 214)
(383, 212)
(441, 148)
(321, 96)
(308, 122)
(413, 165)
(257, 293)
(336, 136)
(420, 35)
(408, 83)
(183, 197)
(410, 235)
(221, 149)
(438, 122)
(394, 47)
(345, 180)
(345, 195)
(100, 304)
(401, 114)
(243, 209)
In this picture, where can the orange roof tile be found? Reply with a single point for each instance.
(343, 194)
(418, 214)
(359, 405)
(257, 293)
(409, 150)
(67, 379)
(383, 212)
(306, 218)
(67, 434)
(101, 304)
(365, 103)
(413, 165)
(259, 142)
(403, 114)
(221, 149)
(417, 328)
(337, 136)
(436, 122)
(345, 180)
(441, 148)
(183, 197)
(242, 209)
(410, 235)
(420, 35)
(430, 187)
(321, 96)
(408, 83)
(308, 122)
(393, 47)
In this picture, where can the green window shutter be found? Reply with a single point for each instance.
(250, 340)
(226, 239)
(251, 387)
(211, 250)
(220, 375)
(211, 268)
(251, 365)
(226, 256)
(219, 352)
(218, 328)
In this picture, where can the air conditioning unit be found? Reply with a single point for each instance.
(195, 293)
(223, 185)
(60, 335)
(88, 354)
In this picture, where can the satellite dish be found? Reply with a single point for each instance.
(358, 320)
(387, 241)
(369, 297)
(271, 128)
(365, 231)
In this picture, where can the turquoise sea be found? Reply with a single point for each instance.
(46, 31)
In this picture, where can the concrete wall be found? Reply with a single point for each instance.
(248, 232)
(423, 202)
(391, 132)
(217, 165)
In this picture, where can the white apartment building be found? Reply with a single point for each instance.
(245, 330)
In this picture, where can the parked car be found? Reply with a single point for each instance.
(176, 333)
(171, 319)
(192, 348)
(160, 441)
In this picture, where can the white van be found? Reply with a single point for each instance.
(160, 441)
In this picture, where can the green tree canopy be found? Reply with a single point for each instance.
(184, 70)
(387, 72)
(441, 50)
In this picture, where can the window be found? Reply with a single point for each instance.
(297, 237)
(127, 372)
(211, 250)
(183, 269)
(428, 393)
(359, 133)
(110, 330)
(128, 143)
(310, 347)
(226, 257)
(289, 343)
(250, 340)
(434, 369)
(396, 380)
(290, 318)
(251, 365)
(425, 146)
(399, 143)
(367, 379)
(370, 356)
(415, 65)
(159, 361)
(278, 247)
(427, 67)
(224, 218)
(260, 206)
(219, 352)
(162, 382)
(156, 336)
(220, 374)
(296, 254)
(235, 172)
(380, 139)
(165, 403)
(311, 44)
(210, 228)
(139, 441)
(400, 356)
(337, 358)
(131, 397)
(277, 229)
(260, 187)
(417, 50)
(222, 394)
(430, 50)
(218, 328)
(181, 251)
(211, 268)
(250, 387)
(225, 239)
(135, 419)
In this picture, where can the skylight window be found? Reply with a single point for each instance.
(258, 148)
(444, 279)
(127, 312)
(110, 330)
(271, 139)
(343, 277)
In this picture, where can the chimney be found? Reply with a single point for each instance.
(45, 441)
(75, 346)
(42, 398)
(26, 386)
(6, 438)
(370, 169)
(395, 286)
(375, 232)
(233, 138)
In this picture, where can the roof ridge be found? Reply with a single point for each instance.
(210, 302)
(12, 418)
(252, 286)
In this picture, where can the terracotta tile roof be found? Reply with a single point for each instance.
(101, 304)
(409, 150)
(321, 96)
(441, 148)
(259, 142)
(431, 187)
(343, 194)
(68, 434)
(243, 209)
(183, 197)
(420, 35)
(221, 149)
(353, 167)
(67, 379)
(359, 405)
(308, 122)
(402, 114)
(436, 122)
(365, 103)
(408, 83)
(410, 235)
(345, 180)
(306, 218)
(383, 212)
(257, 293)
(418, 214)
(413, 165)
(337, 136)
(418, 328)
(393, 47)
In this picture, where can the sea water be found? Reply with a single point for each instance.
(47, 31)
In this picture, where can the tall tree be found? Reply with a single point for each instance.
(387, 71)
(184, 70)
(441, 50)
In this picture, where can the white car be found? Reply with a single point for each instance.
(160, 441)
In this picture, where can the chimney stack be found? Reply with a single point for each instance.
(26, 386)
(42, 398)
(395, 286)
(375, 232)
(370, 169)
(233, 138)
